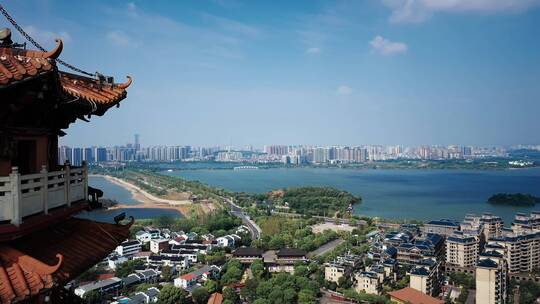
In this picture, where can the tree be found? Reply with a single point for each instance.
(231, 295)
(261, 301)
(173, 295)
(249, 292)
(306, 296)
(344, 282)
(166, 273)
(289, 295)
(211, 286)
(126, 268)
(200, 295)
(258, 269)
(144, 287)
(92, 297)
(301, 270)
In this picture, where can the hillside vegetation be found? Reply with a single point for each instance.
(315, 200)
(514, 199)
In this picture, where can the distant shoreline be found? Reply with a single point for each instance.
(146, 200)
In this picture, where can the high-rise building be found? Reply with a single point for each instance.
(77, 157)
(491, 278)
(137, 144)
(493, 225)
(101, 154)
(461, 250)
(88, 155)
(522, 250)
(427, 277)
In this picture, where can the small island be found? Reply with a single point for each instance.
(514, 199)
(314, 200)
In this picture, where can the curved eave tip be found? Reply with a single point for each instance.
(55, 53)
(126, 84)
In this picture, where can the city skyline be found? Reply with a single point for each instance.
(381, 72)
(288, 154)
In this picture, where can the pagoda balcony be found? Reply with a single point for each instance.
(30, 195)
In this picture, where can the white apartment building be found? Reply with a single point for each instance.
(157, 245)
(462, 251)
(427, 277)
(491, 278)
(128, 248)
(368, 282)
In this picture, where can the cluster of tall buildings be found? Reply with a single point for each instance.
(289, 154)
(358, 154)
(482, 246)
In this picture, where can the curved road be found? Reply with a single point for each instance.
(237, 211)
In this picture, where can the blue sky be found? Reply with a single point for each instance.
(307, 72)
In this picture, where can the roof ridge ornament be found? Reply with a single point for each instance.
(125, 85)
(55, 53)
(28, 263)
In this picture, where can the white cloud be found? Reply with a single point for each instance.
(232, 25)
(313, 51)
(344, 90)
(46, 37)
(411, 11)
(119, 38)
(387, 47)
(132, 9)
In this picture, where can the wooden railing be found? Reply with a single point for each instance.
(25, 195)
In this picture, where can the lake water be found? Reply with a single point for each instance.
(398, 194)
(122, 195)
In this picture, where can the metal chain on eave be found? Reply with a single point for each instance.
(37, 45)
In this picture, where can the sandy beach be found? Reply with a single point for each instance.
(148, 200)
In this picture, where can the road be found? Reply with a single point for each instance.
(332, 297)
(235, 210)
(325, 248)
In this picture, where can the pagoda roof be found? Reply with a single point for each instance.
(77, 95)
(17, 65)
(53, 256)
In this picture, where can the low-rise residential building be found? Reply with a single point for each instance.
(143, 236)
(231, 241)
(178, 262)
(102, 287)
(343, 265)
(128, 248)
(114, 260)
(409, 295)
(368, 282)
(247, 255)
(144, 297)
(285, 260)
(491, 278)
(189, 280)
(444, 227)
(429, 246)
(156, 245)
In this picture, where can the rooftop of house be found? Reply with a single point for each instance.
(413, 296)
(444, 222)
(248, 251)
(487, 263)
(100, 284)
(290, 252)
(215, 298)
